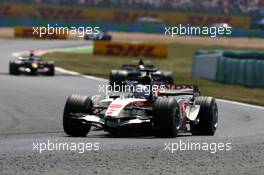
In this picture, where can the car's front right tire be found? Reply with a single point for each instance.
(76, 104)
(208, 117)
(13, 69)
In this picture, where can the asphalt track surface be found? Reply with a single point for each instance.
(31, 112)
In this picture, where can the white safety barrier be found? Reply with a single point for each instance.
(205, 66)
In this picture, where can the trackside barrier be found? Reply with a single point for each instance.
(250, 79)
(205, 66)
(260, 73)
(28, 32)
(238, 70)
(208, 52)
(241, 73)
(134, 49)
(244, 54)
(221, 65)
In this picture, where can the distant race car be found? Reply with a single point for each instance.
(31, 65)
(133, 72)
(99, 36)
(164, 113)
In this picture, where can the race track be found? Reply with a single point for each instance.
(31, 112)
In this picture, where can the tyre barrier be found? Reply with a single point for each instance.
(237, 70)
(201, 62)
(244, 54)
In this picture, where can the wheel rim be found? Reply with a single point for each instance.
(177, 120)
(215, 118)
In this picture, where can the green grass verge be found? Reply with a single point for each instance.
(179, 61)
(75, 50)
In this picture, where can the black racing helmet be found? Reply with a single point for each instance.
(31, 53)
(145, 80)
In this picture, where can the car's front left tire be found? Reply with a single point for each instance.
(13, 69)
(166, 117)
(76, 104)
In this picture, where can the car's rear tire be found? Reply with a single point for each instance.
(13, 69)
(166, 117)
(116, 80)
(51, 70)
(112, 78)
(208, 117)
(109, 38)
(76, 104)
(169, 79)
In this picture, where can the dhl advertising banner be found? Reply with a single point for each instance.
(69, 13)
(28, 32)
(133, 49)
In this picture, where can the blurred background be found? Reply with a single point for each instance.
(230, 67)
(117, 15)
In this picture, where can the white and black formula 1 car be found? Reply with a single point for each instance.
(101, 36)
(168, 111)
(31, 65)
(130, 72)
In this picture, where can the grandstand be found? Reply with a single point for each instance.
(208, 6)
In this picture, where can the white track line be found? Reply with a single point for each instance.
(240, 104)
(81, 75)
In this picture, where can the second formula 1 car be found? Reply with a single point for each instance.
(133, 72)
(101, 36)
(164, 113)
(31, 65)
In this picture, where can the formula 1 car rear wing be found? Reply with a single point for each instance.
(148, 70)
(175, 90)
(131, 66)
